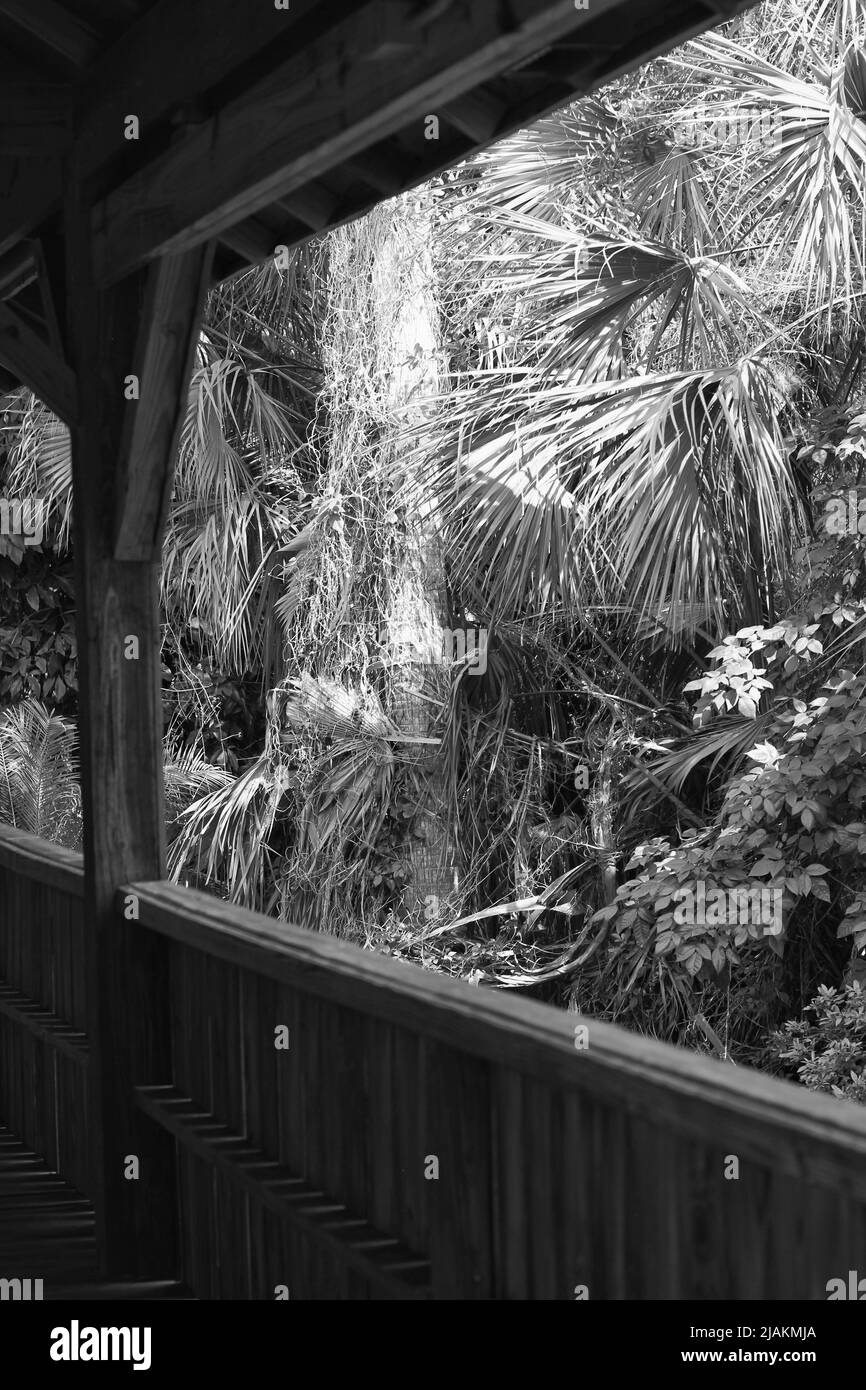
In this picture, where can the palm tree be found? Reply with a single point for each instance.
(39, 790)
(634, 301)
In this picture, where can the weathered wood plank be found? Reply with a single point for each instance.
(31, 359)
(128, 1011)
(798, 1132)
(147, 71)
(326, 103)
(380, 1258)
(29, 103)
(54, 26)
(29, 199)
(162, 362)
(26, 856)
(45, 1025)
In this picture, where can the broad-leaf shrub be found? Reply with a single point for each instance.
(793, 821)
(826, 1048)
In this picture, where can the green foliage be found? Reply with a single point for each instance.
(39, 789)
(647, 395)
(38, 649)
(826, 1048)
(789, 812)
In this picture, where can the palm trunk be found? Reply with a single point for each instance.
(420, 615)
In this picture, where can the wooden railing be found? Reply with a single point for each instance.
(417, 1137)
(43, 1043)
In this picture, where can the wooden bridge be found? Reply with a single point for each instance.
(413, 1138)
(195, 1100)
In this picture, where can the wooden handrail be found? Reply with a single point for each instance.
(786, 1127)
(28, 856)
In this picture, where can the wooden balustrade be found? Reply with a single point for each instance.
(43, 1042)
(418, 1138)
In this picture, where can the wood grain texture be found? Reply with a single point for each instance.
(31, 359)
(304, 1167)
(162, 361)
(128, 996)
(806, 1135)
(324, 104)
(53, 25)
(379, 1258)
(26, 856)
(147, 71)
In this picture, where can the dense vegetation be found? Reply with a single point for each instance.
(593, 406)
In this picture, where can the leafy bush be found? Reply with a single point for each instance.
(789, 819)
(827, 1046)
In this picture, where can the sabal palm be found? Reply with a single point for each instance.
(631, 449)
(240, 470)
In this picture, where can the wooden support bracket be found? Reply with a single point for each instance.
(31, 359)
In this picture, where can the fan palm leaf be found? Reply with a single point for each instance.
(809, 186)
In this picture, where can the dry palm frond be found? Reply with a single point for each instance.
(224, 835)
(658, 491)
(810, 180)
(674, 203)
(581, 293)
(534, 171)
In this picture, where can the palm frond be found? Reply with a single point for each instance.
(39, 789)
(808, 188)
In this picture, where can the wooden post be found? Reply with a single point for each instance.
(131, 347)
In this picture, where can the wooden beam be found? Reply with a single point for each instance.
(31, 102)
(54, 26)
(252, 240)
(380, 173)
(43, 1023)
(31, 359)
(120, 730)
(148, 73)
(322, 105)
(476, 114)
(38, 140)
(28, 856)
(29, 201)
(313, 205)
(50, 271)
(17, 269)
(176, 290)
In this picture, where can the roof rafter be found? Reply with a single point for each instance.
(32, 361)
(54, 26)
(323, 104)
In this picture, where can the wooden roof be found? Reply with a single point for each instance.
(261, 126)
